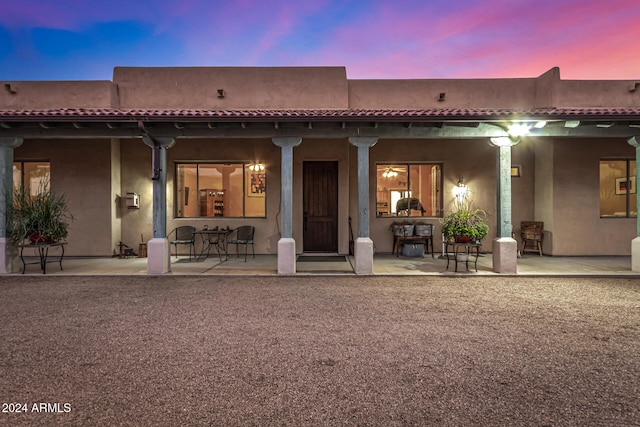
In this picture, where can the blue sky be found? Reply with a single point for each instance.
(85, 40)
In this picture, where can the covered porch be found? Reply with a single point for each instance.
(383, 265)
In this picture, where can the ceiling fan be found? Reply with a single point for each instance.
(390, 171)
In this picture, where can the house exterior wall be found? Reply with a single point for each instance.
(81, 170)
(58, 94)
(136, 173)
(475, 160)
(417, 94)
(559, 183)
(244, 87)
(577, 228)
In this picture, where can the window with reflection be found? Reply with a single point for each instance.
(618, 188)
(409, 189)
(220, 190)
(32, 177)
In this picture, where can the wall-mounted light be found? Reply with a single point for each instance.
(519, 129)
(220, 93)
(441, 96)
(460, 191)
(256, 167)
(133, 201)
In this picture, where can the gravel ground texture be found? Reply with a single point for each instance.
(319, 351)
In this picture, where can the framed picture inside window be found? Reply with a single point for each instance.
(257, 185)
(623, 185)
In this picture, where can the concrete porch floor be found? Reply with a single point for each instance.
(384, 264)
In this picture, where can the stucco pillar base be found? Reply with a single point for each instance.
(158, 256)
(635, 254)
(9, 261)
(505, 255)
(286, 256)
(363, 249)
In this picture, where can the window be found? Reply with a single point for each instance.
(31, 176)
(409, 190)
(618, 188)
(220, 190)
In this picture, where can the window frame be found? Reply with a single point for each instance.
(22, 163)
(408, 165)
(245, 183)
(627, 193)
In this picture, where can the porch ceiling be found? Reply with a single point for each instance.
(436, 123)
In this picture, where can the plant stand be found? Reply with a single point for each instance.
(465, 249)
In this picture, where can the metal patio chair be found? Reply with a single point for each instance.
(183, 235)
(243, 235)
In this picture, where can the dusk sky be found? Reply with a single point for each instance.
(86, 39)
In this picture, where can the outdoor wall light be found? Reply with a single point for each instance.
(256, 167)
(518, 129)
(460, 191)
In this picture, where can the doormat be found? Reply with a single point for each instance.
(332, 258)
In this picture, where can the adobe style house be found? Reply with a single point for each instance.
(299, 151)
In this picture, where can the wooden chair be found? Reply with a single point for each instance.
(183, 235)
(531, 235)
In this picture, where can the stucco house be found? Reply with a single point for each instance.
(310, 157)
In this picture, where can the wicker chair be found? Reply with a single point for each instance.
(531, 235)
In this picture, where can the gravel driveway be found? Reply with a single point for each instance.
(319, 351)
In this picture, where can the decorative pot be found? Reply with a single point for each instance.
(408, 229)
(36, 238)
(398, 230)
(462, 239)
(423, 230)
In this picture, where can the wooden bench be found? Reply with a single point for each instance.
(42, 252)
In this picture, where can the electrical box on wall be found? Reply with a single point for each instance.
(133, 201)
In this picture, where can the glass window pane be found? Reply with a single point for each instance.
(613, 188)
(216, 190)
(256, 180)
(408, 190)
(633, 197)
(33, 177)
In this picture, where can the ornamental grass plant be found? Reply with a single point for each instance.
(40, 217)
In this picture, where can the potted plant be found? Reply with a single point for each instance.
(465, 224)
(41, 217)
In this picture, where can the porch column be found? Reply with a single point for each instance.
(158, 251)
(634, 141)
(286, 244)
(8, 252)
(363, 247)
(505, 247)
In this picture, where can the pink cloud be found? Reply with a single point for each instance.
(491, 39)
(380, 39)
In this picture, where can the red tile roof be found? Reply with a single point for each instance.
(116, 114)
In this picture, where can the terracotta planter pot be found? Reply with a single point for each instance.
(36, 238)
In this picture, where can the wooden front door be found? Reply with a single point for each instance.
(320, 201)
